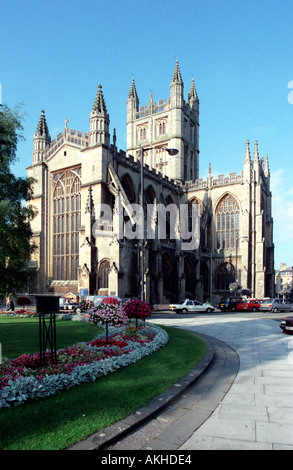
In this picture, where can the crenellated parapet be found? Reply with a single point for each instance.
(45, 148)
(160, 107)
(149, 173)
(211, 181)
(68, 136)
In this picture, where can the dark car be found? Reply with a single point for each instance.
(229, 304)
(124, 300)
(287, 325)
(69, 306)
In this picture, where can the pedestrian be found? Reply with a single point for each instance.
(10, 305)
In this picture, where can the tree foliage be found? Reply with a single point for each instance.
(15, 216)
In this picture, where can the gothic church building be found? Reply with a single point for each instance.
(78, 174)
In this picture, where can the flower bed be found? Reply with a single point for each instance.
(23, 378)
(17, 313)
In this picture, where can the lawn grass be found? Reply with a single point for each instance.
(57, 422)
(21, 335)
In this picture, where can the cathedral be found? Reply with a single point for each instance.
(88, 233)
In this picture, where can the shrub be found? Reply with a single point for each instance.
(23, 300)
(107, 314)
(234, 286)
(137, 309)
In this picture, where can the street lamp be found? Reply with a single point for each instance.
(142, 252)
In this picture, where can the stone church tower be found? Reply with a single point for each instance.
(87, 193)
(173, 123)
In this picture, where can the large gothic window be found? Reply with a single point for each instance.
(191, 213)
(66, 220)
(224, 276)
(227, 217)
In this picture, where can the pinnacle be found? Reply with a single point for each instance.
(176, 74)
(99, 104)
(247, 152)
(132, 92)
(42, 128)
(192, 92)
(266, 166)
(255, 155)
(89, 203)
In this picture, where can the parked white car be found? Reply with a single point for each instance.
(189, 306)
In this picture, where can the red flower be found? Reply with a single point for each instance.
(110, 300)
(137, 309)
(101, 342)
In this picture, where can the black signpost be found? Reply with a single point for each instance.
(46, 307)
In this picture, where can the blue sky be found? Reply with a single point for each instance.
(55, 53)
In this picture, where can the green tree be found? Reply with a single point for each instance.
(15, 214)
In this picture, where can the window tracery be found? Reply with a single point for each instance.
(103, 274)
(66, 221)
(227, 217)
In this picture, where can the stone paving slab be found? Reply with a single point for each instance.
(257, 412)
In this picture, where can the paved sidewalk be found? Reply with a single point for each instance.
(257, 412)
(242, 398)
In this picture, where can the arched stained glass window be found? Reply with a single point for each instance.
(103, 274)
(66, 220)
(195, 209)
(224, 276)
(227, 220)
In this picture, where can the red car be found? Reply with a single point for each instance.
(287, 325)
(250, 304)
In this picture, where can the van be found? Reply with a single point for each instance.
(96, 299)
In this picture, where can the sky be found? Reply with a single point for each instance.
(55, 53)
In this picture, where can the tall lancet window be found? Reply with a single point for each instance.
(66, 221)
(227, 216)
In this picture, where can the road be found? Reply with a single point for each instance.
(217, 314)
